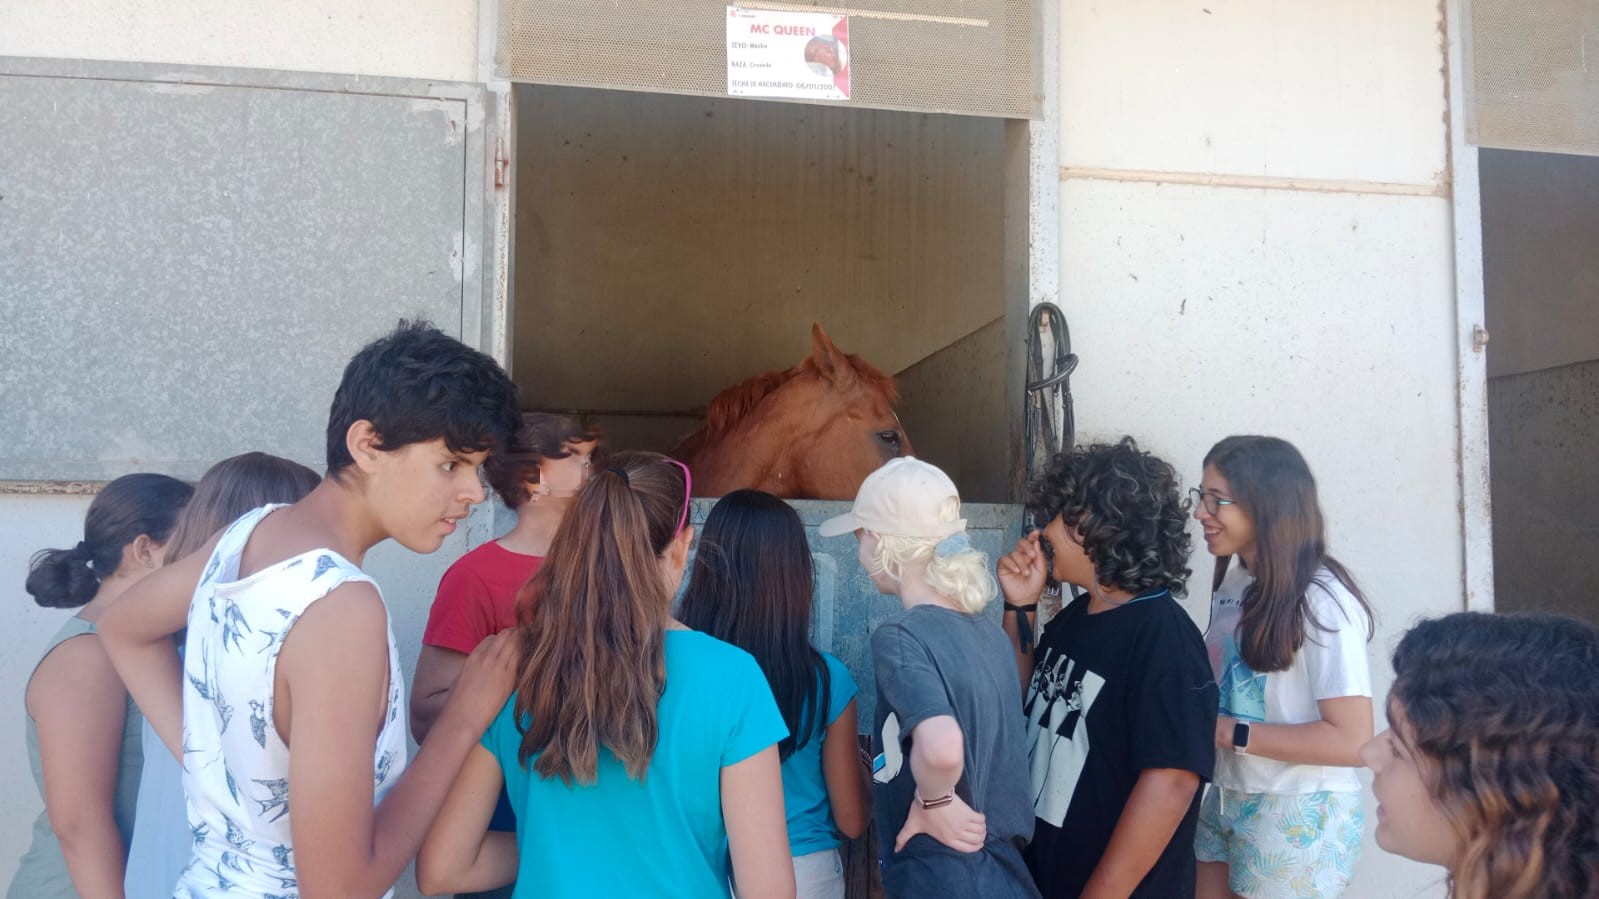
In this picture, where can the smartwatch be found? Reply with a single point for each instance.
(1241, 737)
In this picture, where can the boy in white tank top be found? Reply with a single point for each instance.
(285, 710)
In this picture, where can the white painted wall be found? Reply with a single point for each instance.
(430, 39)
(1256, 237)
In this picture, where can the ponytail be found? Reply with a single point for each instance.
(129, 507)
(593, 621)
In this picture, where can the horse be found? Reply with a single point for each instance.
(814, 431)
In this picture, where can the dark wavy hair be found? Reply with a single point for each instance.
(1126, 505)
(592, 624)
(1272, 484)
(417, 383)
(542, 436)
(1503, 713)
(751, 587)
(131, 506)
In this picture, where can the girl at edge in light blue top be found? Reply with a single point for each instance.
(641, 757)
(751, 585)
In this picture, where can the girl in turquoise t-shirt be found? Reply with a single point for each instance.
(751, 586)
(640, 757)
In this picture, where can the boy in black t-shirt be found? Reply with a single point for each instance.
(1120, 703)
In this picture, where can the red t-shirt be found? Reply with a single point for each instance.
(477, 597)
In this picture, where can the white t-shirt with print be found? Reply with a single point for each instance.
(1330, 664)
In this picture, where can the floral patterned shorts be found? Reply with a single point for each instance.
(1281, 846)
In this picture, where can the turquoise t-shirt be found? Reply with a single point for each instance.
(810, 815)
(664, 835)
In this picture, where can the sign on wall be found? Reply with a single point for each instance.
(793, 55)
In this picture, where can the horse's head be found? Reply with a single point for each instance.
(849, 407)
(812, 432)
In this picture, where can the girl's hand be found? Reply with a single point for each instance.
(486, 681)
(1224, 731)
(1021, 572)
(956, 825)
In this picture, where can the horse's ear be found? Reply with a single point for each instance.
(829, 360)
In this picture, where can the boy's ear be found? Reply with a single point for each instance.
(362, 440)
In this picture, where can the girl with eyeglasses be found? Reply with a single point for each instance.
(641, 757)
(1287, 641)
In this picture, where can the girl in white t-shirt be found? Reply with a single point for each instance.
(1287, 639)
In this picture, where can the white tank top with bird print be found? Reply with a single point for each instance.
(235, 765)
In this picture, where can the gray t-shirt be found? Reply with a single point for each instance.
(935, 661)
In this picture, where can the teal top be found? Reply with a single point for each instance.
(662, 836)
(810, 814)
(42, 873)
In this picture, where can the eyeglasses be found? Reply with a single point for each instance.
(688, 493)
(1210, 502)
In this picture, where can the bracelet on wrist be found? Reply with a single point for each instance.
(940, 802)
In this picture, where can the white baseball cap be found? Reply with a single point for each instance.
(905, 498)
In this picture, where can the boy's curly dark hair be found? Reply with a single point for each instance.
(1127, 507)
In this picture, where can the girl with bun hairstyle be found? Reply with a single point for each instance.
(82, 729)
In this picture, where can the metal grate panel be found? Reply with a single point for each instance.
(1534, 81)
(975, 57)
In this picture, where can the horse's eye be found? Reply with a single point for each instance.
(889, 437)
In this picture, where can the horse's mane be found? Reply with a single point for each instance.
(735, 403)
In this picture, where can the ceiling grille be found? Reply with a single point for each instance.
(1534, 75)
(974, 57)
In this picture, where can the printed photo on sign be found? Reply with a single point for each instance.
(794, 55)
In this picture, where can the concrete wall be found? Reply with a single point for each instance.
(1545, 462)
(1256, 237)
(434, 39)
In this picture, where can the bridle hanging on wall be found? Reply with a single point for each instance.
(1051, 429)
(1051, 426)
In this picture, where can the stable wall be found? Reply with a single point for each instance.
(1256, 238)
(432, 39)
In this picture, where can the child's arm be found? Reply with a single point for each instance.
(1345, 726)
(841, 769)
(436, 671)
(937, 758)
(757, 830)
(1155, 808)
(79, 707)
(136, 632)
(332, 677)
(460, 853)
(1021, 578)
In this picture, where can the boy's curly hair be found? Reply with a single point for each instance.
(1503, 711)
(1126, 506)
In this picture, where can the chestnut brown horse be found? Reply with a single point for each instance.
(812, 432)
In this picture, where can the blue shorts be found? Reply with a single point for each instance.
(1281, 846)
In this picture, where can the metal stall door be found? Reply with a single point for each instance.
(188, 258)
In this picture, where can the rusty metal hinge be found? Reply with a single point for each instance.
(500, 162)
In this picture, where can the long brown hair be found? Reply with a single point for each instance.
(593, 620)
(1502, 713)
(1272, 485)
(233, 487)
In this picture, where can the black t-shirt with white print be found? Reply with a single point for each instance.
(1114, 694)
